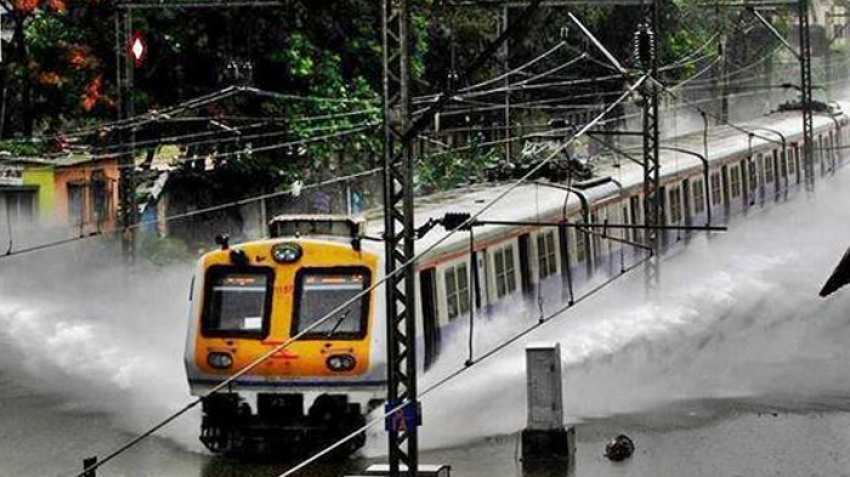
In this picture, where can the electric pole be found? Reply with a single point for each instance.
(399, 236)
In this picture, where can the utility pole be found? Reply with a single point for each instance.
(806, 93)
(647, 47)
(126, 185)
(399, 236)
(723, 67)
(507, 63)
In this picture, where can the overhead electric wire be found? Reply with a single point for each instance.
(193, 103)
(516, 70)
(236, 203)
(410, 262)
(467, 366)
(220, 155)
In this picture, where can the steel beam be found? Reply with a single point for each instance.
(651, 141)
(399, 236)
(806, 93)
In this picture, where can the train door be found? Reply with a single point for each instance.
(525, 266)
(759, 168)
(687, 202)
(796, 154)
(483, 279)
(430, 320)
(662, 219)
(634, 210)
(771, 178)
(596, 242)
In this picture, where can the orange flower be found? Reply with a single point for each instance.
(58, 5)
(79, 58)
(49, 78)
(26, 5)
(93, 94)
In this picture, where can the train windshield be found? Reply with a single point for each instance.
(320, 291)
(237, 302)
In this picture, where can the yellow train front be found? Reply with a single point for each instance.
(248, 299)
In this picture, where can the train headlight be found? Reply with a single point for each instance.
(220, 360)
(341, 362)
(286, 252)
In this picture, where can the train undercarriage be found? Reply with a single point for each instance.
(280, 428)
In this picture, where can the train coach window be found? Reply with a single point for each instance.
(675, 206)
(457, 290)
(319, 291)
(505, 272)
(699, 197)
(735, 181)
(546, 260)
(238, 302)
(716, 192)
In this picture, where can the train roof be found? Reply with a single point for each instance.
(539, 199)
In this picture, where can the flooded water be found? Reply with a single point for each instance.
(735, 368)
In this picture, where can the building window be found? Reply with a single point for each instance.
(716, 193)
(699, 197)
(457, 290)
(505, 272)
(734, 181)
(675, 206)
(546, 259)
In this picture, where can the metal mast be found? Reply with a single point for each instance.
(126, 109)
(399, 236)
(806, 94)
(648, 54)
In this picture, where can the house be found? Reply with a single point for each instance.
(78, 192)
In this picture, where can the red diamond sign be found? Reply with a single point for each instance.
(138, 48)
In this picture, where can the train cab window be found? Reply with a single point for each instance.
(238, 302)
(734, 181)
(546, 257)
(319, 291)
(699, 197)
(716, 192)
(505, 271)
(457, 290)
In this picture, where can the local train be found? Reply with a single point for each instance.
(248, 298)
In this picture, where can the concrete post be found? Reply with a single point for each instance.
(545, 437)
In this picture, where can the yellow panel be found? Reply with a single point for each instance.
(302, 358)
(42, 177)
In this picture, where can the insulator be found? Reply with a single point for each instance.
(644, 46)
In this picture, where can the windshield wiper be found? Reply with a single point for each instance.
(339, 322)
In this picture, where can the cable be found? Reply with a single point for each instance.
(194, 103)
(451, 376)
(241, 372)
(206, 210)
(220, 155)
(515, 70)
